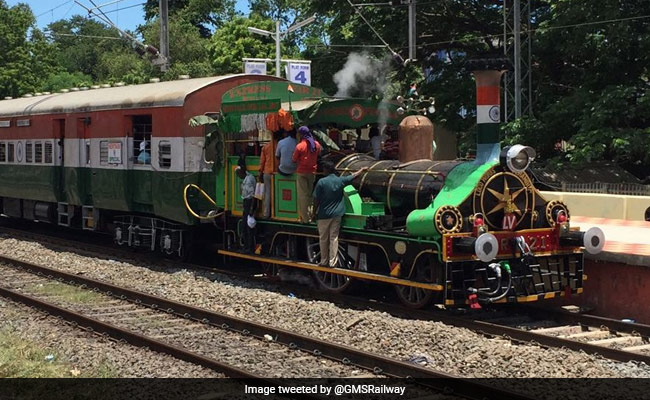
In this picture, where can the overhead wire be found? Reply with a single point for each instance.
(542, 29)
(54, 8)
(83, 36)
(356, 9)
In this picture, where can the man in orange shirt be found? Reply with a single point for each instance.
(306, 156)
(268, 166)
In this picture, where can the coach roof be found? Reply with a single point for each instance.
(161, 94)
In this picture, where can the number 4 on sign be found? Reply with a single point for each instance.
(300, 77)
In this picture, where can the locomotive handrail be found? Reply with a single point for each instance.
(394, 171)
(204, 194)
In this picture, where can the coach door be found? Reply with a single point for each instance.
(141, 170)
(59, 146)
(84, 170)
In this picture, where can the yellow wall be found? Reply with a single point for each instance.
(632, 208)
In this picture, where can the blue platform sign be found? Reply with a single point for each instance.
(300, 73)
(255, 68)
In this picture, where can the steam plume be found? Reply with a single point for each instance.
(362, 76)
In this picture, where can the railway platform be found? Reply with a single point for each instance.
(618, 279)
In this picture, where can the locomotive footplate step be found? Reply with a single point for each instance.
(340, 271)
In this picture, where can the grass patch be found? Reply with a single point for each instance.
(68, 293)
(21, 358)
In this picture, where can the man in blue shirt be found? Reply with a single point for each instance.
(329, 201)
(284, 153)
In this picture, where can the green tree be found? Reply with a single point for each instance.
(65, 79)
(232, 42)
(203, 14)
(591, 81)
(187, 49)
(122, 66)
(81, 42)
(25, 60)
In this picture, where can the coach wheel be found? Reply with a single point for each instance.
(330, 282)
(414, 297)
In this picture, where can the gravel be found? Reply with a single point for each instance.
(86, 353)
(439, 346)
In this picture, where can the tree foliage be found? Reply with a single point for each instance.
(591, 81)
(81, 42)
(25, 59)
(589, 64)
(203, 14)
(232, 42)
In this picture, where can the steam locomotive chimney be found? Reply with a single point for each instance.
(487, 74)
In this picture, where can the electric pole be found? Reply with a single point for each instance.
(412, 26)
(517, 40)
(164, 35)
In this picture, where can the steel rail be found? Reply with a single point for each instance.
(479, 326)
(613, 325)
(131, 337)
(447, 383)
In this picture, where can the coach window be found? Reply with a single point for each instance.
(48, 153)
(3, 152)
(165, 154)
(38, 152)
(29, 152)
(10, 152)
(103, 152)
(142, 139)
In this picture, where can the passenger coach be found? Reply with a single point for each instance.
(87, 158)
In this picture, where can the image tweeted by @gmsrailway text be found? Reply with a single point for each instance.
(322, 388)
(327, 389)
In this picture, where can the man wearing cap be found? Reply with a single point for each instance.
(247, 189)
(306, 157)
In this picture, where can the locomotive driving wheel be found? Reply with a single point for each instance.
(330, 282)
(414, 297)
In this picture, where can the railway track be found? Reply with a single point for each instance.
(234, 346)
(613, 339)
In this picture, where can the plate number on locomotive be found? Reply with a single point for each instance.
(534, 242)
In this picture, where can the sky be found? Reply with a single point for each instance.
(126, 14)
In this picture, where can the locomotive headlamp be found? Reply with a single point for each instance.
(485, 247)
(593, 240)
(517, 158)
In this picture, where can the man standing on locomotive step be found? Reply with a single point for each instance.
(306, 156)
(247, 189)
(284, 153)
(268, 166)
(329, 202)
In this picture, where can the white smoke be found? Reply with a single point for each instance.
(362, 75)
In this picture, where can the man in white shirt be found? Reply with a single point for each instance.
(247, 189)
(375, 142)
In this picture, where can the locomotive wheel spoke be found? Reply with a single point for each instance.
(328, 281)
(414, 297)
